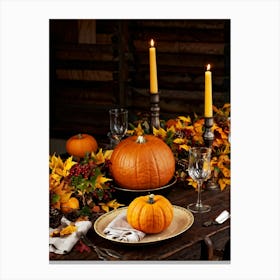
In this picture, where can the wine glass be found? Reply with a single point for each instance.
(199, 168)
(118, 124)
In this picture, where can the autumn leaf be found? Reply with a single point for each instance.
(82, 218)
(67, 166)
(68, 230)
(179, 141)
(82, 247)
(159, 132)
(225, 171)
(104, 207)
(59, 168)
(111, 204)
(114, 204)
(192, 182)
(138, 130)
(107, 154)
(63, 192)
(186, 120)
(100, 180)
(171, 130)
(223, 182)
(185, 147)
(64, 231)
(99, 157)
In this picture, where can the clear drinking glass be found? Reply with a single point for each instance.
(199, 168)
(118, 124)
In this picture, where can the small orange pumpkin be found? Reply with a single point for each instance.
(71, 205)
(80, 144)
(142, 163)
(150, 213)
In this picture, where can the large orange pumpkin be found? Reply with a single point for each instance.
(141, 163)
(150, 213)
(80, 144)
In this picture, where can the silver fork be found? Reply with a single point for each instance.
(101, 252)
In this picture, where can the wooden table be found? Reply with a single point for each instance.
(197, 243)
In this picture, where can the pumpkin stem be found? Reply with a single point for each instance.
(140, 139)
(151, 198)
(80, 136)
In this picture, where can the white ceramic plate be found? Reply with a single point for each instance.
(182, 221)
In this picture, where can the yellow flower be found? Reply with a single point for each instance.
(107, 154)
(179, 125)
(224, 159)
(63, 191)
(114, 204)
(159, 132)
(99, 157)
(179, 141)
(138, 130)
(171, 129)
(226, 149)
(225, 171)
(223, 182)
(59, 168)
(110, 204)
(198, 139)
(217, 142)
(198, 127)
(216, 110)
(100, 180)
(67, 165)
(186, 120)
(55, 163)
(192, 182)
(130, 131)
(185, 147)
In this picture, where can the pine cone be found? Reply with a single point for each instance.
(54, 217)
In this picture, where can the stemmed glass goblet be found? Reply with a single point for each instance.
(118, 124)
(199, 168)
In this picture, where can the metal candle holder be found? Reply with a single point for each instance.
(208, 134)
(154, 101)
(208, 137)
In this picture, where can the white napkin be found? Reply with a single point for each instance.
(119, 229)
(63, 245)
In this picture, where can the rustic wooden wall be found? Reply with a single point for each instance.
(99, 64)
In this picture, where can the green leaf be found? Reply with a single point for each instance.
(92, 180)
(131, 126)
(85, 211)
(79, 182)
(55, 198)
(100, 193)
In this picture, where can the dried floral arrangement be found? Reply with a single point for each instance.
(83, 188)
(80, 188)
(184, 132)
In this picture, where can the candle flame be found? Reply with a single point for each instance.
(208, 67)
(152, 42)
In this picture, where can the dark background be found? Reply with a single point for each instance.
(96, 65)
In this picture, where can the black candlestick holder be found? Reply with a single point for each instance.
(208, 137)
(154, 101)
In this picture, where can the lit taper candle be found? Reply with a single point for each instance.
(208, 111)
(153, 69)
